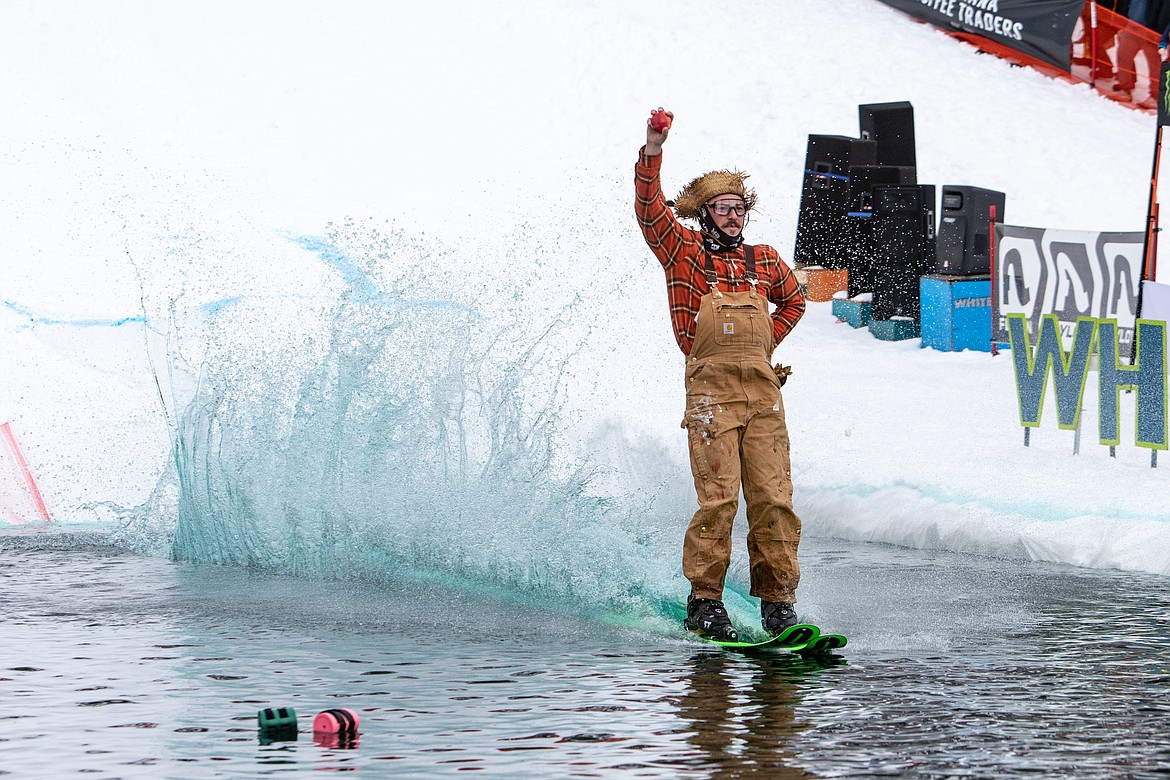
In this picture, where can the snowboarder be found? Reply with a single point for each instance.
(718, 289)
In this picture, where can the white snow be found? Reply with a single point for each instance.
(162, 154)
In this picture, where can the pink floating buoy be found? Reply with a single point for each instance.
(340, 721)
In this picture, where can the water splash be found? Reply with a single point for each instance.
(31, 318)
(396, 433)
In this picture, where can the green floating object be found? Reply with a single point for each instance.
(271, 736)
(277, 718)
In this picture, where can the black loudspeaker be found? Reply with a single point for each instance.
(863, 178)
(820, 227)
(859, 218)
(903, 236)
(891, 125)
(964, 229)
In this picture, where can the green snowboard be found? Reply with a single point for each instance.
(824, 644)
(802, 638)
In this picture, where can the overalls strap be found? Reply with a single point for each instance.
(749, 266)
(709, 271)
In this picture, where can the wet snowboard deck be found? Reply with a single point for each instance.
(803, 638)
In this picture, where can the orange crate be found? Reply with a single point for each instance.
(823, 283)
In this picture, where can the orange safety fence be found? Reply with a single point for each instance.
(1117, 57)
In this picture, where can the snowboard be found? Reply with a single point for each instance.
(803, 638)
(824, 644)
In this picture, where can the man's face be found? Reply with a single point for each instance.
(727, 212)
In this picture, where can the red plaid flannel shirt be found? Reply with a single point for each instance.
(680, 250)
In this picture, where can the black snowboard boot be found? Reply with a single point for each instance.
(777, 616)
(708, 617)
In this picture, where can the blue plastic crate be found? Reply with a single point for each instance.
(894, 330)
(856, 313)
(956, 312)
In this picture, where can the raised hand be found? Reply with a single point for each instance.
(657, 129)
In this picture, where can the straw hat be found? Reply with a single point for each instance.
(696, 194)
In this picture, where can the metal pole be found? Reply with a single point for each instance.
(1093, 43)
(1151, 270)
(994, 307)
(1151, 243)
(1150, 249)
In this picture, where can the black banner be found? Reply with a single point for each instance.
(1039, 28)
(1164, 95)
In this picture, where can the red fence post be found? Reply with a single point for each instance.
(6, 431)
(1093, 43)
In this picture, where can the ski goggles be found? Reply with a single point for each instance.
(723, 208)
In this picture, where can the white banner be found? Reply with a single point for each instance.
(1069, 273)
(1155, 301)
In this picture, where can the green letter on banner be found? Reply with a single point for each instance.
(1032, 369)
(1147, 377)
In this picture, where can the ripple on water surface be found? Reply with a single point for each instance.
(120, 666)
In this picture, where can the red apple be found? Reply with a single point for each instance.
(660, 121)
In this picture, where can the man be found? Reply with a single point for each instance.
(719, 288)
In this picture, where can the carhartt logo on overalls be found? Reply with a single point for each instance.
(729, 329)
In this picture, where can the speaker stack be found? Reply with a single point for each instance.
(904, 247)
(964, 229)
(821, 230)
(859, 239)
(891, 125)
(863, 212)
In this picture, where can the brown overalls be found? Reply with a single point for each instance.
(735, 424)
